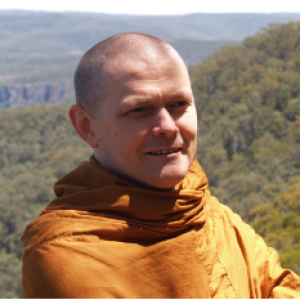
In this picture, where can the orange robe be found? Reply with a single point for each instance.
(105, 238)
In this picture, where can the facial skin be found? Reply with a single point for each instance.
(146, 132)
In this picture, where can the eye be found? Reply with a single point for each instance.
(139, 109)
(180, 104)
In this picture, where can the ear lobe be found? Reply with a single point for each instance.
(83, 123)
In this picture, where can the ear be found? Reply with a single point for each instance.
(83, 124)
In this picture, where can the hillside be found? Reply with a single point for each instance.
(35, 147)
(248, 102)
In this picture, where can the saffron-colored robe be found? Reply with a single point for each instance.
(103, 237)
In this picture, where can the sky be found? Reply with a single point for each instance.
(156, 7)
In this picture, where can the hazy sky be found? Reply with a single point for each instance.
(156, 7)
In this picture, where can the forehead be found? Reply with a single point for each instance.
(126, 70)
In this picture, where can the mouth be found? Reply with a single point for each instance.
(164, 152)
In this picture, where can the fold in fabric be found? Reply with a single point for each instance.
(159, 213)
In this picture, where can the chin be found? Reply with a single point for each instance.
(168, 180)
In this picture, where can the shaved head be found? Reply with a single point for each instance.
(135, 108)
(91, 86)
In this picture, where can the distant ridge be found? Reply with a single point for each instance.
(93, 27)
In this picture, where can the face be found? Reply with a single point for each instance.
(147, 128)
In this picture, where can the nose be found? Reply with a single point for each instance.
(164, 124)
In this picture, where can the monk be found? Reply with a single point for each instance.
(137, 219)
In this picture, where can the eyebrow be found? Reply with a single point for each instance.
(132, 101)
(181, 95)
(141, 98)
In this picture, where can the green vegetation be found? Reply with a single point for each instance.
(38, 145)
(248, 102)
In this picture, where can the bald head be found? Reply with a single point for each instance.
(91, 84)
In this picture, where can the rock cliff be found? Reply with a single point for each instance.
(33, 94)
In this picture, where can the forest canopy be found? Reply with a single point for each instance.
(248, 103)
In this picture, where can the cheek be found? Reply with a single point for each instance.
(189, 127)
(194, 123)
(124, 142)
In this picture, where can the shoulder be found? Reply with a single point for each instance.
(238, 244)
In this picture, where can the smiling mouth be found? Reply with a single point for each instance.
(167, 151)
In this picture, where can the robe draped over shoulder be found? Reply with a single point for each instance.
(103, 237)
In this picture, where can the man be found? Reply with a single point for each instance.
(137, 219)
